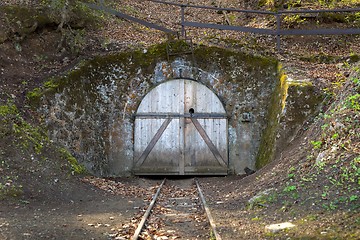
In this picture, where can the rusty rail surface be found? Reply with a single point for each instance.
(146, 215)
(208, 213)
(278, 31)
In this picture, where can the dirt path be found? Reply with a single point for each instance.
(90, 219)
(89, 213)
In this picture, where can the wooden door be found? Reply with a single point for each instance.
(180, 128)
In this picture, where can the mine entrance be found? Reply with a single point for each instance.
(181, 129)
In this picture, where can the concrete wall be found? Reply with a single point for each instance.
(90, 109)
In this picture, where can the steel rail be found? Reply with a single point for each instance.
(319, 10)
(278, 32)
(130, 18)
(257, 11)
(213, 8)
(147, 213)
(203, 202)
(208, 213)
(230, 27)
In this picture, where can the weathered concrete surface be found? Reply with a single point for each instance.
(90, 110)
(303, 102)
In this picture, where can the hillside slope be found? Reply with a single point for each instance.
(314, 184)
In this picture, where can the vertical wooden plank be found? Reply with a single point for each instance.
(208, 141)
(164, 99)
(166, 152)
(181, 145)
(206, 101)
(182, 128)
(203, 100)
(153, 141)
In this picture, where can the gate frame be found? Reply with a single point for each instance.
(137, 161)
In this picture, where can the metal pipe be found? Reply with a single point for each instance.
(258, 11)
(320, 11)
(215, 8)
(182, 21)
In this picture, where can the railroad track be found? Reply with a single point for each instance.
(178, 210)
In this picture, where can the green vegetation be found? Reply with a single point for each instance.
(337, 164)
(34, 96)
(296, 20)
(353, 102)
(71, 12)
(28, 135)
(32, 144)
(327, 180)
(26, 138)
(316, 144)
(25, 20)
(129, 61)
(289, 188)
(8, 109)
(291, 4)
(178, 47)
(212, 236)
(9, 186)
(262, 199)
(291, 21)
(76, 168)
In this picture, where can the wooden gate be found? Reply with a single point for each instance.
(181, 129)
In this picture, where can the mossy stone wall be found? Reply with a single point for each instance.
(90, 109)
(303, 103)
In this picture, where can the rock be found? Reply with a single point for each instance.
(249, 171)
(259, 198)
(120, 238)
(278, 227)
(339, 126)
(3, 36)
(320, 157)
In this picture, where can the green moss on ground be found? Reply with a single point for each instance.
(76, 168)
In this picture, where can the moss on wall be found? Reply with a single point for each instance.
(98, 68)
(89, 110)
(203, 54)
(277, 104)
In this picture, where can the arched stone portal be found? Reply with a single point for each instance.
(181, 129)
(91, 110)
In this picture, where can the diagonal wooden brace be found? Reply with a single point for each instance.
(153, 141)
(208, 142)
